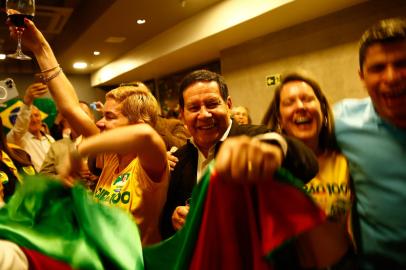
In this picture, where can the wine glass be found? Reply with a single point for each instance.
(17, 10)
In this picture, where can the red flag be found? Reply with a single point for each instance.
(243, 224)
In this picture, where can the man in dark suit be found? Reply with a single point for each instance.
(206, 108)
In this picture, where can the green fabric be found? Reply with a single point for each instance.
(177, 251)
(47, 105)
(66, 224)
(283, 175)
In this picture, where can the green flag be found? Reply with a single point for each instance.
(67, 225)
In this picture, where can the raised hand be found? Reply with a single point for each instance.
(33, 39)
(247, 160)
(34, 91)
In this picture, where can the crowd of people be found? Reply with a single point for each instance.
(349, 159)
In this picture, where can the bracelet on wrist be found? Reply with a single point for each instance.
(45, 79)
(49, 69)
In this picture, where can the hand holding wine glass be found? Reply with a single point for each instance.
(17, 11)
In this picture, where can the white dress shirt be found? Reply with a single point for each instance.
(19, 135)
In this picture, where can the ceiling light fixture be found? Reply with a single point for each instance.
(80, 65)
(115, 39)
(96, 53)
(141, 21)
(2, 56)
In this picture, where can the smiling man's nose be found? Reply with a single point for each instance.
(204, 112)
(391, 74)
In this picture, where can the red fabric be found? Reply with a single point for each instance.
(39, 261)
(285, 212)
(232, 236)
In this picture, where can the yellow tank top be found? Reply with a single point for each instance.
(132, 190)
(331, 187)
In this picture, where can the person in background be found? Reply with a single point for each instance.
(301, 110)
(59, 150)
(57, 130)
(371, 133)
(129, 151)
(172, 131)
(45, 129)
(27, 130)
(206, 109)
(14, 163)
(241, 115)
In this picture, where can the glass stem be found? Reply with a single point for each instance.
(19, 36)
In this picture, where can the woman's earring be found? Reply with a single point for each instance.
(279, 127)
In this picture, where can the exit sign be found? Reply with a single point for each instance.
(273, 79)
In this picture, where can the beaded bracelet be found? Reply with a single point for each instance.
(49, 69)
(44, 79)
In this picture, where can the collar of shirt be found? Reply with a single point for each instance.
(202, 161)
(44, 137)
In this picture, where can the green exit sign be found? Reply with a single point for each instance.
(273, 79)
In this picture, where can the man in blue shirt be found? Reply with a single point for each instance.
(372, 134)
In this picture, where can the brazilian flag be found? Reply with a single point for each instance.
(10, 109)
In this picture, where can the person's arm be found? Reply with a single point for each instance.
(297, 157)
(49, 165)
(243, 159)
(140, 139)
(60, 87)
(20, 127)
(182, 181)
(300, 160)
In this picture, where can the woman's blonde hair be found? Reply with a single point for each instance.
(138, 104)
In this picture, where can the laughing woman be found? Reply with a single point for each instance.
(300, 109)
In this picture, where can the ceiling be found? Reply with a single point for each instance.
(177, 33)
(69, 26)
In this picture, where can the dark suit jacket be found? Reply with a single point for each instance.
(299, 159)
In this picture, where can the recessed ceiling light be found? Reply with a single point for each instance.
(80, 65)
(2, 56)
(115, 39)
(141, 21)
(96, 53)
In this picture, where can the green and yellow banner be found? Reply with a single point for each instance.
(10, 109)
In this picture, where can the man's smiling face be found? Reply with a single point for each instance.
(205, 113)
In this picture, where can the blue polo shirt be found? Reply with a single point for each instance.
(376, 151)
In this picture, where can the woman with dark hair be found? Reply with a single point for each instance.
(14, 163)
(301, 110)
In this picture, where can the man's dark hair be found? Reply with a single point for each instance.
(202, 76)
(385, 31)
